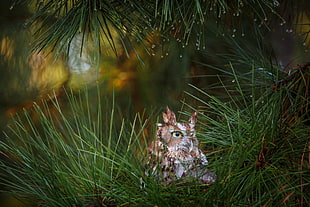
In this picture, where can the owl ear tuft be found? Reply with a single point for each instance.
(169, 117)
(193, 118)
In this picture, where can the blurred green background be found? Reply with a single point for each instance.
(158, 80)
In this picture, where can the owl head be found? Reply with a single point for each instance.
(176, 135)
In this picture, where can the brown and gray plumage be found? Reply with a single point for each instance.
(175, 155)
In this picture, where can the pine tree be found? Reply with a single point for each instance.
(247, 65)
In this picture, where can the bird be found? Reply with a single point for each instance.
(174, 155)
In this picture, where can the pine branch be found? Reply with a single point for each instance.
(57, 22)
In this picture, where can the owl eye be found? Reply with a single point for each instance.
(177, 134)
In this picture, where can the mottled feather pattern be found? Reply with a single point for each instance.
(175, 155)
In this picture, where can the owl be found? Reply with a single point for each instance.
(174, 155)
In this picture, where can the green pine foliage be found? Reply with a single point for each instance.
(253, 122)
(259, 146)
(105, 23)
(93, 156)
(76, 159)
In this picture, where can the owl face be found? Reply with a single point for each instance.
(175, 135)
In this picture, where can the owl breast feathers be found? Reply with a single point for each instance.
(175, 155)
